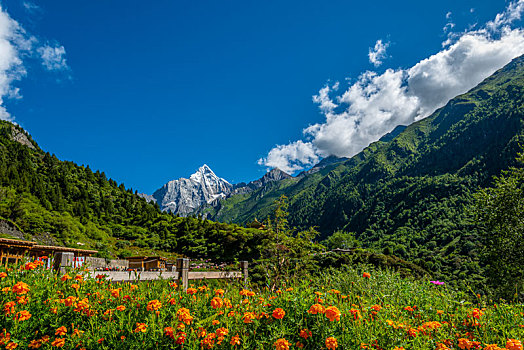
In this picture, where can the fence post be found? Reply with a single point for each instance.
(182, 266)
(63, 260)
(243, 266)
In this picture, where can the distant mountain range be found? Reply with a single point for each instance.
(204, 188)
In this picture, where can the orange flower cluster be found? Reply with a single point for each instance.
(154, 305)
(282, 344)
(184, 315)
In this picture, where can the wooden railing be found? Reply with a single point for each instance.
(64, 260)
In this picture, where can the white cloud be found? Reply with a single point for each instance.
(291, 157)
(53, 57)
(376, 103)
(16, 46)
(378, 53)
(511, 14)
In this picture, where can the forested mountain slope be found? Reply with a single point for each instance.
(410, 195)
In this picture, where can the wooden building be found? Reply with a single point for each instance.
(13, 250)
(147, 262)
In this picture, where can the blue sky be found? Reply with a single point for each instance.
(149, 91)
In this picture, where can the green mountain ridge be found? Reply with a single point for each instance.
(409, 194)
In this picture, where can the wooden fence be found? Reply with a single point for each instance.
(64, 260)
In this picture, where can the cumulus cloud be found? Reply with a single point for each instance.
(53, 57)
(16, 46)
(375, 103)
(378, 53)
(291, 158)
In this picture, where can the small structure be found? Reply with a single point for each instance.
(13, 250)
(146, 263)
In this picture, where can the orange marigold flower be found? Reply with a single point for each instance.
(184, 315)
(30, 266)
(65, 278)
(376, 308)
(20, 288)
(247, 293)
(115, 293)
(217, 303)
(299, 345)
(332, 313)
(3, 275)
(9, 307)
(168, 331)
(366, 275)
(79, 278)
(154, 305)
(282, 344)
(140, 327)
(331, 343)
(215, 322)
(235, 340)
(23, 315)
(476, 313)
(34, 344)
(75, 286)
(222, 332)
(513, 344)
(100, 341)
(191, 291)
(61, 331)
(11, 346)
(355, 313)
(181, 338)
(22, 300)
(249, 317)
(219, 292)
(121, 308)
(305, 333)
(58, 342)
(316, 309)
(398, 348)
(278, 313)
(464, 343)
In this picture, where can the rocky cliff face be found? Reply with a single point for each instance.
(183, 196)
(274, 174)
